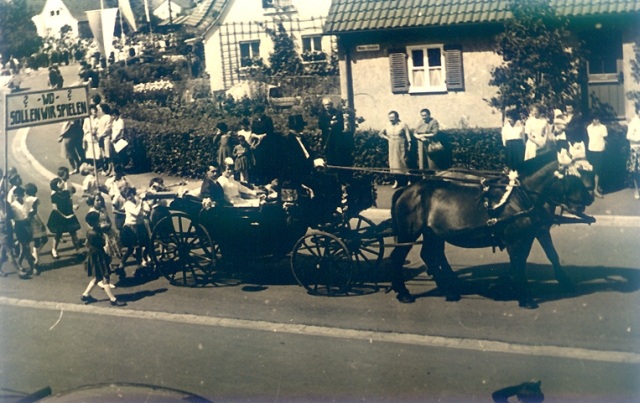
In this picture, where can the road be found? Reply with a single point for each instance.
(267, 340)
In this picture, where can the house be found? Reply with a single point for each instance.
(407, 55)
(57, 14)
(165, 8)
(234, 35)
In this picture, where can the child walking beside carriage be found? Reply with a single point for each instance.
(98, 261)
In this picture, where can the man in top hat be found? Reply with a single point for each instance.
(297, 159)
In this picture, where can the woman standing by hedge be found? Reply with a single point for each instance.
(513, 140)
(633, 164)
(398, 135)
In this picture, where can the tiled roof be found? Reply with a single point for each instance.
(205, 12)
(363, 15)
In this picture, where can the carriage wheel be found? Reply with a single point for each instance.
(321, 263)
(365, 243)
(183, 251)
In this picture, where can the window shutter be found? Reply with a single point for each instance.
(453, 65)
(399, 73)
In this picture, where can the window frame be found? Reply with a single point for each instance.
(312, 42)
(250, 44)
(413, 89)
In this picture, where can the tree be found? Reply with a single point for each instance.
(18, 34)
(542, 61)
(284, 60)
(635, 74)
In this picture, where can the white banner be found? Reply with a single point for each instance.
(127, 13)
(25, 109)
(103, 24)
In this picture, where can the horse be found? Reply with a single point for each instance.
(453, 208)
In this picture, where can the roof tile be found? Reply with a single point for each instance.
(354, 15)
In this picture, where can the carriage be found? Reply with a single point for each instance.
(326, 238)
(330, 245)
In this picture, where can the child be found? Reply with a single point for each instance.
(225, 148)
(537, 130)
(513, 140)
(39, 231)
(134, 234)
(559, 125)
(89, 184)
(597, 133)
(62, 218)
(6, 239)
(243, 159)
(97, 261)
(22, 230)
(96, 204)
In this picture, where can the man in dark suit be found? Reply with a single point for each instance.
(331, 123)
(576, 129)
(297, 162)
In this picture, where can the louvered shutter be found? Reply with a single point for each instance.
(399, 73)
(453, 65)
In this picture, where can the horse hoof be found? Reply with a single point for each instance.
(405, 298)
(453, 298)
(530, 304)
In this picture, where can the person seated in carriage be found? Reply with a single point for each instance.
(211, 191)
(235, 193)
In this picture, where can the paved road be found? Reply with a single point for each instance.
(266, 340)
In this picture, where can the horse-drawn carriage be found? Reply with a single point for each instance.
(328, 244)
(321, 230)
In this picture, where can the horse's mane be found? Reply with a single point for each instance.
(530, 167)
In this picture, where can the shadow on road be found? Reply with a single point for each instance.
(491, 281)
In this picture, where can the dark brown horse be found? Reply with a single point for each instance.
(452, 209)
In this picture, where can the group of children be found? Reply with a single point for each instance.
(23, 233)
(560, 130)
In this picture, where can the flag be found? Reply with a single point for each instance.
(146, 10)
(127, 13)
(102, 24)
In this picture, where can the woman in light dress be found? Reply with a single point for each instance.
(398, 134)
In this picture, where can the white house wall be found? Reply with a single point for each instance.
(373, 98)
(629, 40)
(49, 25)
(252, 11)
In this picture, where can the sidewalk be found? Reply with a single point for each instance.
(41, 147)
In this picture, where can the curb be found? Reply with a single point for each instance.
(19, 145)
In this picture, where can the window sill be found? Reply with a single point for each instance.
(430, 90)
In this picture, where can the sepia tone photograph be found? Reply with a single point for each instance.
(320, 201)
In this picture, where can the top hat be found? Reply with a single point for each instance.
(296, 122)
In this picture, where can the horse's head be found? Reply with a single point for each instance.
(572, 192)
(574, 170)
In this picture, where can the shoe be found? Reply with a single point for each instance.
(36, 272)
(117, 302)
(88, 299)
(598, 195)
(54, 253)
(75, 171)
(395, 185)
(101, 285)
(636, 196)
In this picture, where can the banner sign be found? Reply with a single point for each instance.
(25, 109)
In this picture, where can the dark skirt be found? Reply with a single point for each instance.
(97, 264)
(23, 232)
(59, 224)
(596, 159)
(134, 235)
(514, 154)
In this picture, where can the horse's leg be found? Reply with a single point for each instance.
(398, 256)
(518, 254)
(544, 237)
(432, 254)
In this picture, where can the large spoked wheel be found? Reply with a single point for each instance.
(365, 243)
(321, 263)
(183, 250)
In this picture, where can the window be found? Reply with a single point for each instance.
(57, 12)
(426, 68)
(312, 43)
(248, 51)
(53, 13)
